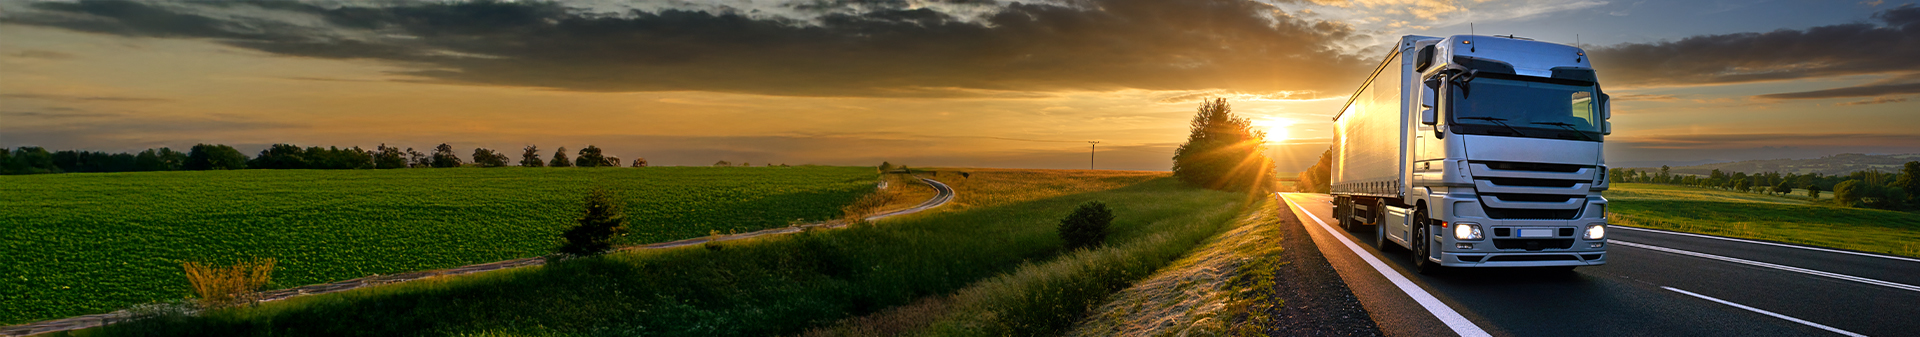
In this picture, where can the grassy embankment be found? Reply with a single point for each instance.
(1764, 217)
(997, 243)
(90, 243)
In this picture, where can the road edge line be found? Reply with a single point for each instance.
(1829, 250)
(1764, 312)
(1889, 284)
(1440, 310)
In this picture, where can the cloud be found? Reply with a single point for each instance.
(42, 54)
(1744, 140)
(1644, 97)
(1875, 100)
(1824, 51)
(74, 98)
(1854, 91)
(848, 48)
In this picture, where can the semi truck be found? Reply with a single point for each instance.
(1476, 151)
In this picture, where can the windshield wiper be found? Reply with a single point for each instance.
(1569, 127)
(1500, 121)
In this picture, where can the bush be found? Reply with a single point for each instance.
(1847, 193)
(600, 223)
(225, 286)
(1087, 226)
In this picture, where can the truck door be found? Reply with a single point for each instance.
(1429, 150)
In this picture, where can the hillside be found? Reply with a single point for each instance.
(1838, 164)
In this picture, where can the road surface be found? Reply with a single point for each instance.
(1656, 283)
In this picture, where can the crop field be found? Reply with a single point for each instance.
(89, 243)
(1765, 217)
(996, 257)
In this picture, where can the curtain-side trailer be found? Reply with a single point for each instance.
(1476, 151)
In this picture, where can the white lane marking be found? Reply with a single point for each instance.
(1908, 259)
(1459, 324)
(1901, 286)
(1768, 313)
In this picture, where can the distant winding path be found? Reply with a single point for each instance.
(943, 195)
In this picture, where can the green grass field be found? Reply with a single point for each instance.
(89, 243)
(1765, 217)
(1001, 246)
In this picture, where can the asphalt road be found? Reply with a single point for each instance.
(1656, 283)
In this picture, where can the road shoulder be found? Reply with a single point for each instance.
(1263, 277)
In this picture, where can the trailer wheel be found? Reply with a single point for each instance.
(1340, 213)
(1422, 243)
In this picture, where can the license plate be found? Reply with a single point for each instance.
(1536, 233)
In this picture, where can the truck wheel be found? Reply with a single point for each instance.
(1340, 210)
(1380, 239)
(1422, 244)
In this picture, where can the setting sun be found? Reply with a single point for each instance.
(1276, 128)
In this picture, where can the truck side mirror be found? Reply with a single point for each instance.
(1606, 106)
(1606, 128)
(1427, 101)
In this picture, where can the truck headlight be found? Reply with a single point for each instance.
(1466, 231)
(1596, 231)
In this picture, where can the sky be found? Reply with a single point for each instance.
(977, 83)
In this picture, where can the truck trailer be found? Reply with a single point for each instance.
(1476, 151)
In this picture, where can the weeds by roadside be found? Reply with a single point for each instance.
(227, 286)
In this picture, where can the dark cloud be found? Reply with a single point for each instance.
(878, 48)
(1875, 100)
(74, 98)
(1855, 91)
(42, 54)
(1891, 46)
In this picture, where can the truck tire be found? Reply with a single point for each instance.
(1341, 212)
(1422, 244)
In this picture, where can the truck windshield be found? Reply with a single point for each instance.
(1503, 106)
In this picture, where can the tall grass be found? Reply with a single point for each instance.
(225, 286)
(770, 286)
(1047, 298)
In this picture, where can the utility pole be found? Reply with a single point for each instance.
(1090, 149)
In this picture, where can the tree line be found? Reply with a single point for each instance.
(1869, 188)
(37, 160)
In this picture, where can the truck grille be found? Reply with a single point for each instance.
(1513, 190)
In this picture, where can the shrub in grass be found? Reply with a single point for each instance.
(600, 223)
(1087, 226)
(226, 286)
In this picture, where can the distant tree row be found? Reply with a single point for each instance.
(1319, 178)
(37, 160)
(1869, 188)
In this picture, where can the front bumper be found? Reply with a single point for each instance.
(1503, 245)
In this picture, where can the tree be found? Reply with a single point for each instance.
(590, 157)
(1848, 193)
(280, 156)
(611, 161)
(415, 159)
(389, 157)
(488, 158)
(214, 157)
(530, 157)
(6, 161)
(722, 163)
(1223, 152)
(560, 159)
(1783, 188)
(1087, 226)
(1317, 179)
(640, 162)
(1741, 185)
(1909, 180)
(601, 221)
(443, 157)
(886, 167)
(36, 160)
(1813, 191)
